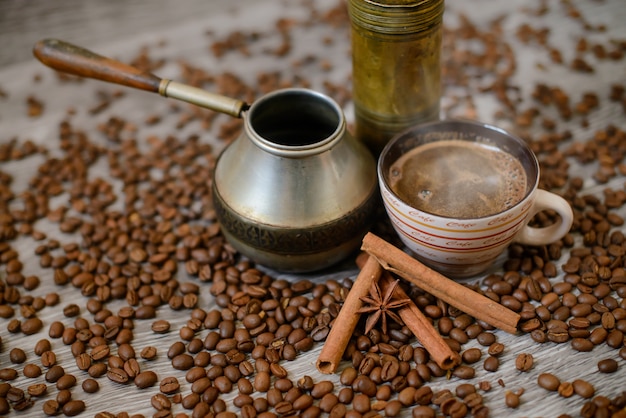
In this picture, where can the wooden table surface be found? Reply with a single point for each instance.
(177, 32)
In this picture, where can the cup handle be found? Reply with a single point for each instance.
(541, 236)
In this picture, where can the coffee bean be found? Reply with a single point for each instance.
(191, 401)
(284, 408)
(126, 351)
(117, 375)
(90, 386)
(511, 399)
(114, 362)
(178, 348)
(491, 364)
(524, 362)
(132, 368)
(241, 400)
(31, 326)
(390, 370)
(202, 384)
(17, 356)
(465, 389)
(42, 346)
(148, 353)
(364, 384)
(6, 311)
(38, 389)
(393, 408)
(495, 349)
(471, 355)
(83, 361)
(51, 407)
(196, 373)
(539, 336)
(347, 376)
(598, 336)
(31, 371)
(582, 344)
(71, 310)
(320, 333)
(56, 329)
(15, 394)
(77, 347)
(262, 381)
(583, 388)
(558, 335)
(486, 339)
(303, 402)
(161, 326)
(73, 408)
(245, 386)
(97, 370)
(169, 385)
(246, 368)
(182, 362)
(615, 339)
(464, 372)
(66, 381)
(5, 408)
(54, 373)
(100, 352)
(454, 408)
(459, 335)
(423, 411)
(161, 402)
(407, 396)
(565, 389)
(361, 403)
(322, 388)
(484, 385)
(146, 379)
(384, 393)
(64, 396)
(441, 396)
(328, 402)
(274, 396)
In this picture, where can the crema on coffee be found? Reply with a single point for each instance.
(458, 179)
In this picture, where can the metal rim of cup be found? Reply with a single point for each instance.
(300, 106)
(488, 134)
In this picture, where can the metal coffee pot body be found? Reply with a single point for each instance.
(295, 191)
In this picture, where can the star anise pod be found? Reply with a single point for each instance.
(379, 306)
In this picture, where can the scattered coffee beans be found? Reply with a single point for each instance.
(127, 265)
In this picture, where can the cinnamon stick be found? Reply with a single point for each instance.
(423, 329)
(420, 326)
(481, 307)
(348, 317)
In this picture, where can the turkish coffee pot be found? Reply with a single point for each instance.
(294, 192)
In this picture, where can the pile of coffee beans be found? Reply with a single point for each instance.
(151, 297)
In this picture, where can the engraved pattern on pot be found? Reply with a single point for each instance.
(289, 241)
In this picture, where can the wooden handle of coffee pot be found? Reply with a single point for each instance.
(72, 59)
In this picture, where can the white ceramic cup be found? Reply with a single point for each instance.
(466, 247)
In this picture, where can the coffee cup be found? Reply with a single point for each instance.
(459, 192)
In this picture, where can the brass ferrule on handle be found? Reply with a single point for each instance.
(203, 98)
